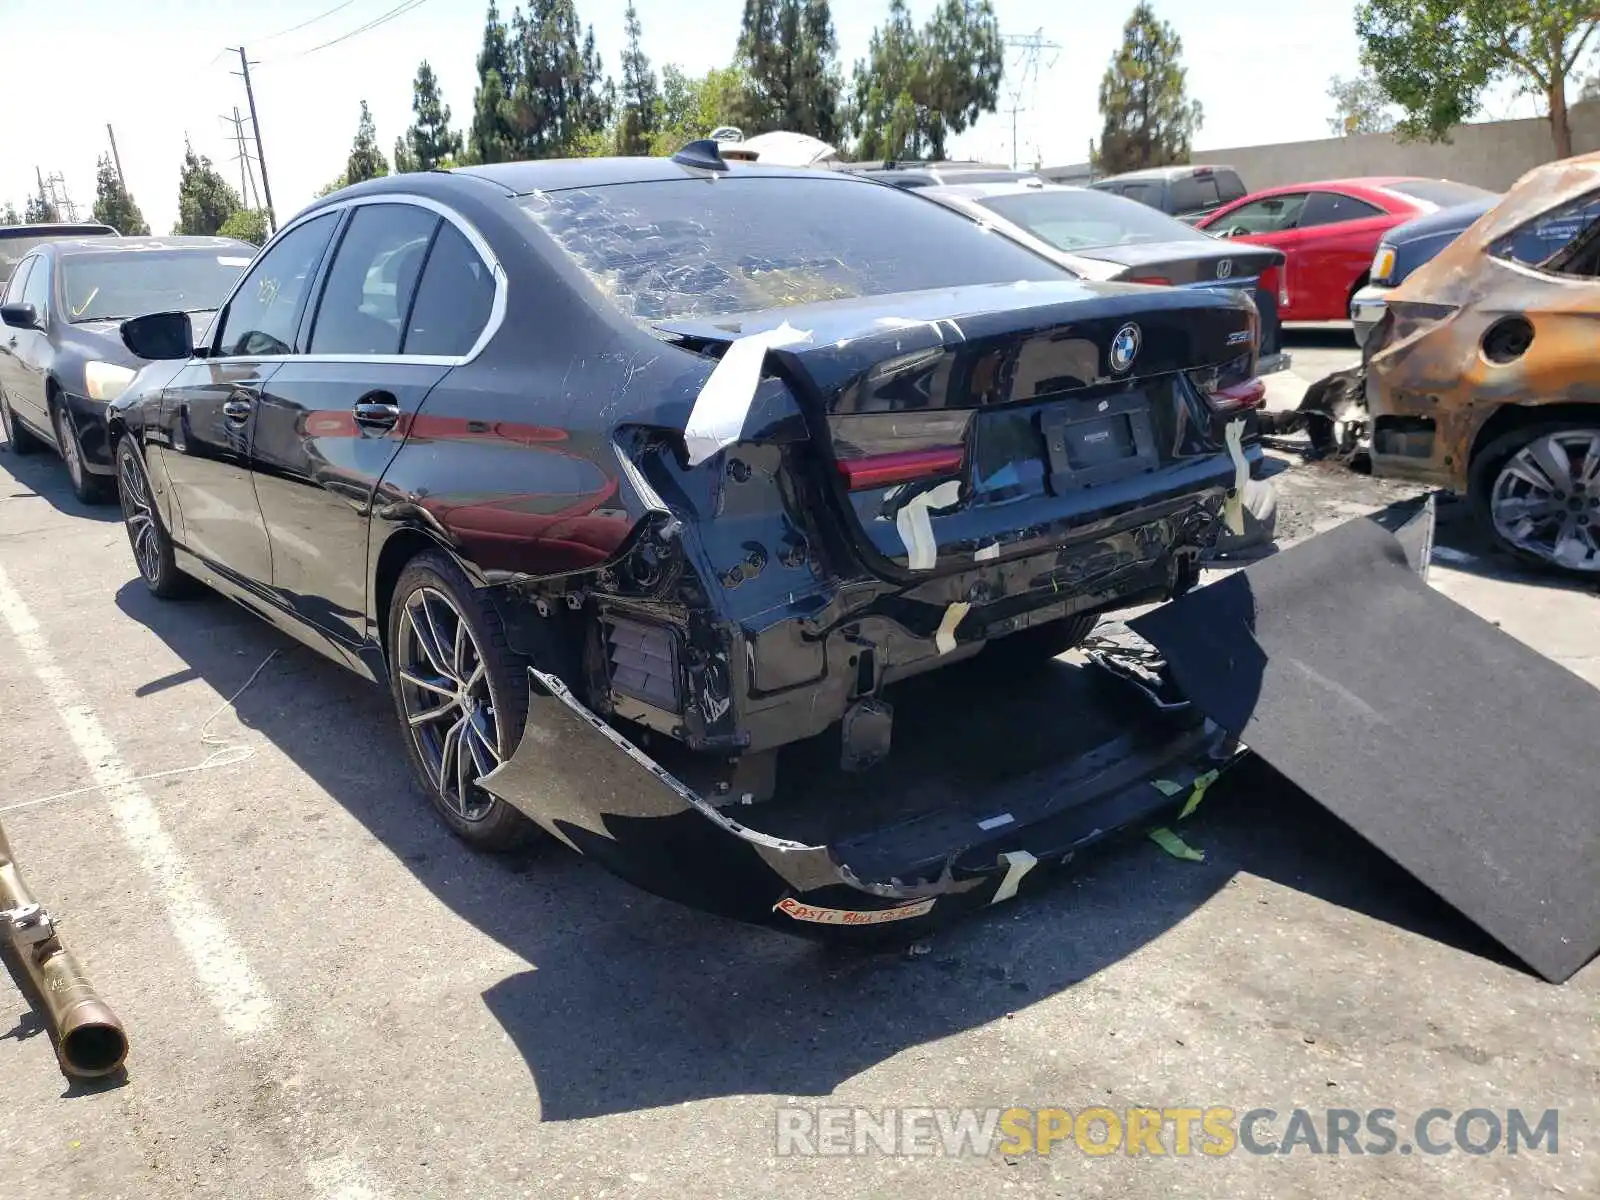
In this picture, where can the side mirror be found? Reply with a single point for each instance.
(159, 335)
(20, 316)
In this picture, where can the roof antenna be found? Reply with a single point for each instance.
(703, 153)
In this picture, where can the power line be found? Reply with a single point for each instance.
(320, 16)
(398, 10)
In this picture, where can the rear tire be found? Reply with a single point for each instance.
(148, 537)
(461, 697)
(1504, 498)
(86, 486)
(18, 438)
(1040, 643)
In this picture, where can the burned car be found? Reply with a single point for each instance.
(1482, 375)
(623, 475)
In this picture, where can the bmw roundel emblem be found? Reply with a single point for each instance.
(1124, 348)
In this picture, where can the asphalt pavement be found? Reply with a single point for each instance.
(328, 997)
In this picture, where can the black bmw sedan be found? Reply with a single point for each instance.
(621, 474)
(62, 359)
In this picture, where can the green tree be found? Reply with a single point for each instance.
(430, 141)
(491, 139)
(1149, 120)
(9, 215)
(559, 96)
(205, 201)
(1360, 105)
(918, 88)
(112, 204)
(404, 163)
(366, 160)
(788, 55)
(1435, 58)
(641, 99)
(692, 107)
(248, 225)
(41, 210)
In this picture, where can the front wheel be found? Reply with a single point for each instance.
(152, 547)
(461, 695)
(86, 485)
(1536, 491)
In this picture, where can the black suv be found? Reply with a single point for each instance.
(16, 241)
(1182, 192)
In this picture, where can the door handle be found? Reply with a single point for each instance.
(236, 409)
(377, 410)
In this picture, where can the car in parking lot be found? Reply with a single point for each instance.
(1405, 248)
(1101, 236)
(1187, 192)
(62, 359)
(913, 175)
(1481, 376)
(18, 241)
(689, 456)
(1330, 231)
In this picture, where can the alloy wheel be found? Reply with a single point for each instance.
(1546, 499)
(444, 688)
(70, 452)
(138, 513)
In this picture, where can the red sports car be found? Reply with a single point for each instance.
(1329, 232)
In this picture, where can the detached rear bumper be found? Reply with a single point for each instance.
(587, 784)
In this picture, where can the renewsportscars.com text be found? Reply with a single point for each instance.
(1210, 1132)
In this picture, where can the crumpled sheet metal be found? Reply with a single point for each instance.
(1435, 367)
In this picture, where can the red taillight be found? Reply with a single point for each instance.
(881, 470)
(1156, 280)
(1238, 397)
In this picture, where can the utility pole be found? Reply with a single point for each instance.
(116, 158)
(261, 155)
(1029, 47)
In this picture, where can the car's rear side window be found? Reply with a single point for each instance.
(1445, 193)
(1333, 208)
(693, 247)
(374, 275)
(454, 299)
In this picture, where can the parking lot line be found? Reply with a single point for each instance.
(229, 982)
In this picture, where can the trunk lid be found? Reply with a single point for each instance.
(1192, 262)
(960, 426)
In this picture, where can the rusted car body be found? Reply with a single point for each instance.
(1484, 376)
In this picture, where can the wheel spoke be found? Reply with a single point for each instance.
(1531, 508)
(436, 640)
(458, 649)
(449, 749)
(430, 715)
(425, 638)
(463, 763)
(481, 738)
(438, 684)
(1551, 459)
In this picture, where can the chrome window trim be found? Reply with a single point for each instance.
(497, 307)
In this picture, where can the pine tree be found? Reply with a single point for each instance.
(430, 141)
(787, 52)
(1149, 118)
(112, 204)
(404, 163)
(560, 99)
(490, 139)
(641, 99)
(205, 201)
(366, 160)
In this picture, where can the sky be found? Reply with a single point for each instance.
(159, 71)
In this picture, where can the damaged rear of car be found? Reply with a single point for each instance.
(1482, 376)
(850, 460)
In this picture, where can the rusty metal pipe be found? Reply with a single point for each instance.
(90, 1041)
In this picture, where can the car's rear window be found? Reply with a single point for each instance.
(1442, 192)
(1070, 219)
(697, 248)
(131, 283)
(14, 247)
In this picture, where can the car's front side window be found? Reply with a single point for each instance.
(37, 290)
(372, 281)
(19, 282)
(1270, 214)
(262, 317)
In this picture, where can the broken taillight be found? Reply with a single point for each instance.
(904, 466)
(1237, 397)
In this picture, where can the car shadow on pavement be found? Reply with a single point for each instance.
(42, 476)
(632, 1002)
